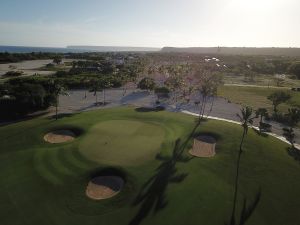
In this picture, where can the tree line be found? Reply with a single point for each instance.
(6, 57)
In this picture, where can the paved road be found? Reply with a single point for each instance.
(76, 102)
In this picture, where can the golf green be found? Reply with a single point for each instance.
(122, 142)
(44, 183)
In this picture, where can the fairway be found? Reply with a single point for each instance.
(44, 183)
(256, 97)
(122, 142)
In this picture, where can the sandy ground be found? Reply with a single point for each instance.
(59, 136)
(204, 146)
(29, 67)
(104, 187)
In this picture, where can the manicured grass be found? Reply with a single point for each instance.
(256, 97)
(108, 142)
(43, 183)
(262, 80)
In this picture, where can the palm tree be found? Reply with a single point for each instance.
(277, 98)
(57, 59)
(293, 117)
(175, 83)
(125, 79)
(262, 112)
(85, 82)
(246, 119)
(208, 87)
(96, 87)
(58, 90)
(106, 84)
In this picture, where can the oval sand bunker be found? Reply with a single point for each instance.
(104, 187)
(59, 136)
(204, 146)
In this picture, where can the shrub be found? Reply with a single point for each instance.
(61, 73)
(295, 69)
(265, 127)
(50, 65)
(13, 74)
(162, 92)
(279, 117)
(146, 84)
(23, 98)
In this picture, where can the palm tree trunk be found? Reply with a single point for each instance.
(200, 110)
(292, 139)
(212, 104)
(204, 106)
(237, 180)
(275, 109)
(56, 108)
(103, 97)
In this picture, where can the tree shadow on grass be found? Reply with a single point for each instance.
(261, 133)
(61, 116)
(150, 109)
(152, 196)
(24, 118)
(214, 135)
(247, 210)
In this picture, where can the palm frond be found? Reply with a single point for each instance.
(246, 117)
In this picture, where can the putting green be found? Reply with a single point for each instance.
(122, 142)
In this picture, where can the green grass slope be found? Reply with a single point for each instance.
(43, 183)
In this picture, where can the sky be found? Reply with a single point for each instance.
(150, 23)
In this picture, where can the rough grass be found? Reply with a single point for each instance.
(41, 183)
(261, 79)
(256, 97)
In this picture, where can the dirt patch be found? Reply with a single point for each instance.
(104, 187)
(59, 136)
(204, 146)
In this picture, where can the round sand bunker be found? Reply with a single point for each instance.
(204, 146)
(104, 187)
(59, 136)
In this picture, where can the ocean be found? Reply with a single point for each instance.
(75, 49)
(23, 49)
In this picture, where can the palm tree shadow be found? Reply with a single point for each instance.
(247, 210)
(152, 196)
(61, 116)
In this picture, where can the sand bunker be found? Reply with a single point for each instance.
(104, 187)
(204, 146)
(59, 136)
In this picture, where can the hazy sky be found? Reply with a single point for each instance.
(152, 23)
